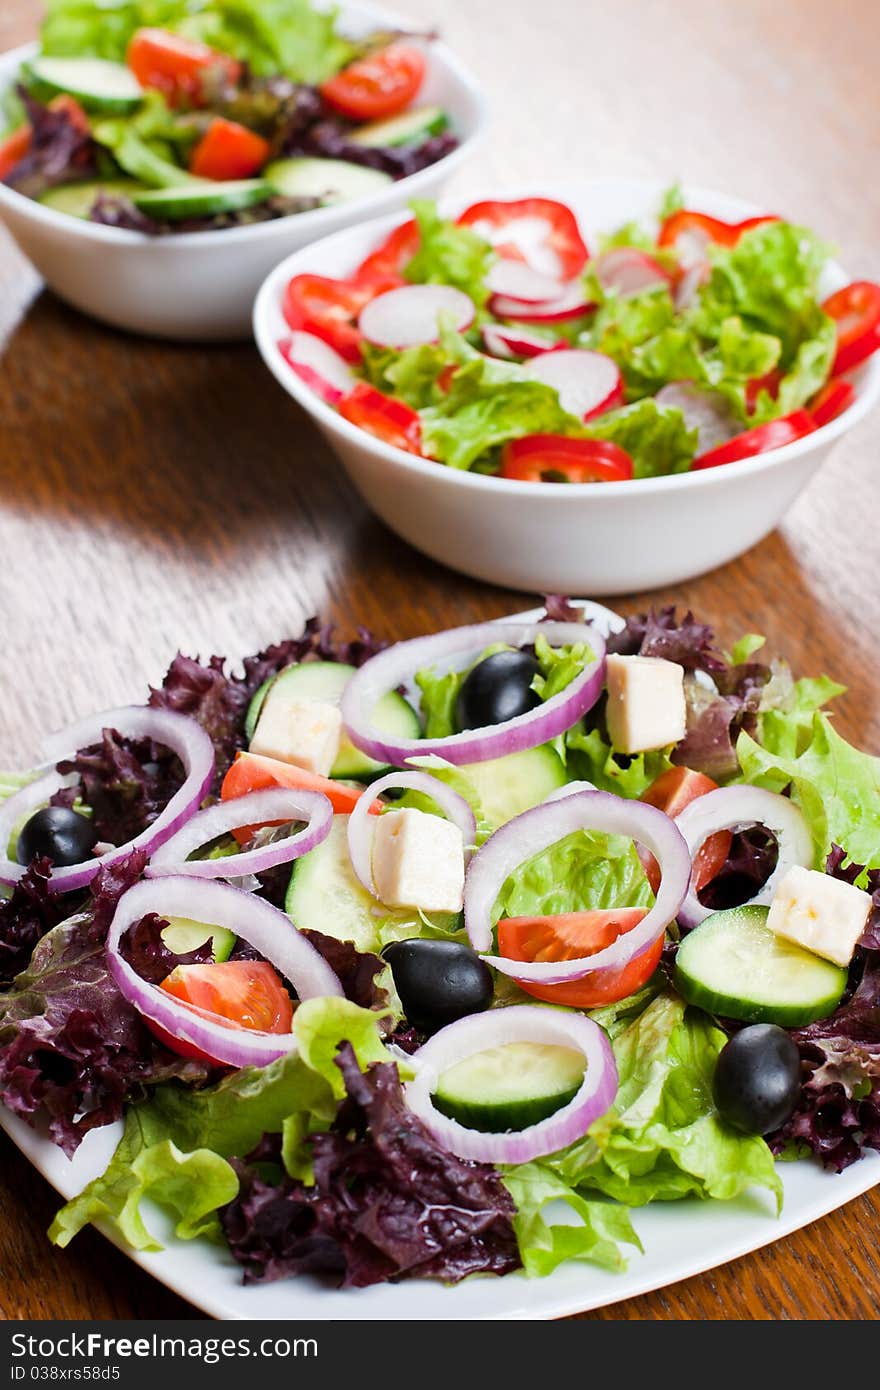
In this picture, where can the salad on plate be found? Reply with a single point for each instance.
(205, 114)
(438, 958)
(501, 342)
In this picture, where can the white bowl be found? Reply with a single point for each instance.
(597, 538)
(201, 285)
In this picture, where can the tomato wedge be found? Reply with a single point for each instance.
(671, 792)
(252, 772)
(383, 416)
(835, 397)
(774, 435)
(570, 936)
(695, 229)
(13, 149)
(177, 67)
(495, 220)
(242, 994)
(379, 85)
(557, 458)
(228, 150)
(856, 311)
(329, 309)
(383, 269)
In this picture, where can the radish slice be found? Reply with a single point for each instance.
(628, 272)
(520, 281)
(409, 316)
(568, 305)
(588, 382)
(319, 365)
(703, 411)
(517, 342)
(688, 287)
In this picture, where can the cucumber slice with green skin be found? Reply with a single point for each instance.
(510, 1087)
(513, 784)
(204, 199)
(183, 935)
(324, 895)
(331, 180)
(409, 129)
(325, 681)
(95, 83)
(78, 199)
(733, 965)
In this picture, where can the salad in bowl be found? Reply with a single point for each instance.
(382, 952)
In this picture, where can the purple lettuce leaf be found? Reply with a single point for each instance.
(330, 138)
(59, 151)
(869, 880)
(126, 782)
(660, 634)
(142, 946)
(751, 861)
(115, 211)
(25, 916)
(356, 970)
(387, 1202)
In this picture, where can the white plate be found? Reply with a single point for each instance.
(680, 1239)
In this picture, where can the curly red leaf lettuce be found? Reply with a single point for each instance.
(61, 150)
(25, 916)
(387, 1201)
(126, 783)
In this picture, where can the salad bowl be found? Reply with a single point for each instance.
(605, 538)
(200, 285)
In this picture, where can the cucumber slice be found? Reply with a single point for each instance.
(183, 935)
(331, 180)
(733, 965)
(409, 129)
(202, 199)
(78, 199)
(326, 680)
(513, 784)
(96, 84)
(510, 1087)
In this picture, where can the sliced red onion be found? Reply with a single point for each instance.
(517, 342)
(520, 281)
(258, 923)
(275, 805)
(362, 825)
(535, 830)
(588, 383)
(570, 789)
(628, 272)
(319, 365)
(396, 665)
(182, 735)
(516, 1024)
(569, 305)
(703, 411)
(410, 315)
(738, 808)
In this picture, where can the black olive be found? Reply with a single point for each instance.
(438, 981)
(60, 834)
(496, 690)
(758, 1079)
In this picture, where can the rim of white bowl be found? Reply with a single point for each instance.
(373, 205)
(866, 377)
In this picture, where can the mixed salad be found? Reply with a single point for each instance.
(501, 343)
(381, 950)
(203, 114)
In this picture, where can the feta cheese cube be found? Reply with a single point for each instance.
(646, 707)
(303, 732)
(418, 861)
(820, 913)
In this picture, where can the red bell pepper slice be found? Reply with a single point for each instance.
(383, 269)
(836, 396)
(378, 85)
(774, 435)
(228, 150)
(388, 419)
(700, 227)
(541, 458)
(856, 311)
(329, 309)
(562, 231)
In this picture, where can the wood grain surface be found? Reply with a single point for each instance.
(155, 497)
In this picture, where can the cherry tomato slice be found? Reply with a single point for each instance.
(177, 67)
(383, 269)
(671, 792)
(383, 416)
(856, 311)
(252, 772)
(228, 150)
(774, 435)
(239, 994)
(379, 85)
(13, 149)
(541, 458)
(329, 309)
(570, 936)
(835, 397)
(494, 219)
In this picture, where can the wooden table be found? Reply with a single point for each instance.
(156, 496)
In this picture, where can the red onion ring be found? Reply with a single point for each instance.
(395, 665)
(544, 825)
(362, 826)
(275, 805)
(518, 1023)
(264, 927)
(738, 808)
(182, 735)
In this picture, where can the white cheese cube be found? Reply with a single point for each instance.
(646, 707)
(820, 913)
(303, 732)
(418, 861)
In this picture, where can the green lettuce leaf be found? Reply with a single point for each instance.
(484, 409)
(656, 437)
(594, 1237)
(448, 254)
(584, 871)
(591, 758)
